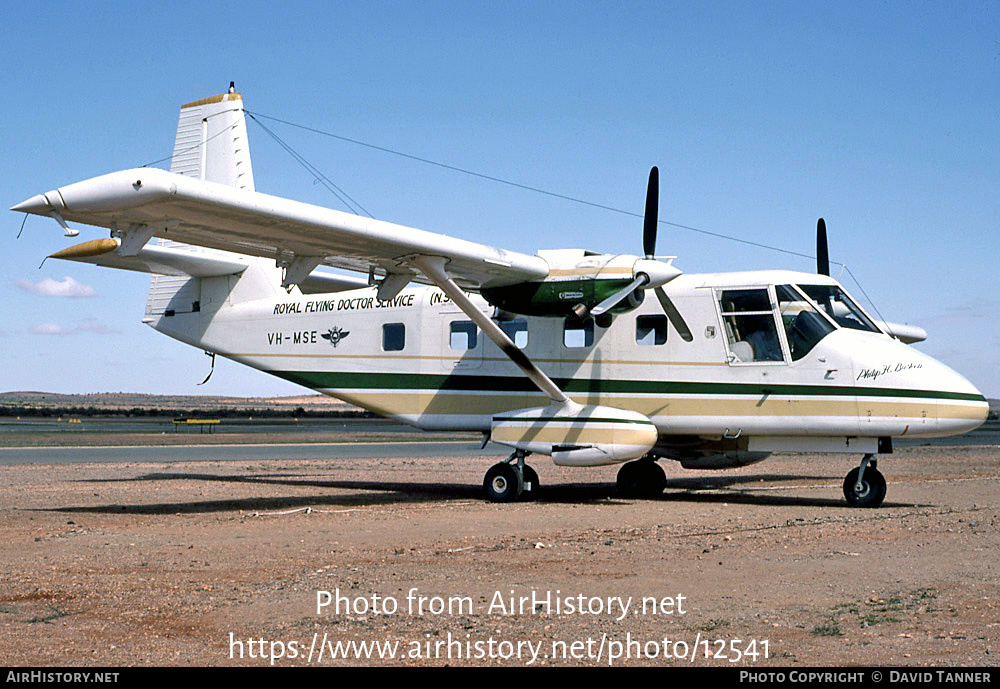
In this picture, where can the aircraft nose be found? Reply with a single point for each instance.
(914, 394)
(961, 407)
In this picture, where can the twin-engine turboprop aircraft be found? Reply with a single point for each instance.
(555, 354)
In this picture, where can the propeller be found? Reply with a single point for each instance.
(618, 296)
(649, 226)
(673, 315)
(907, 334)
(649, 219)
(822, 250)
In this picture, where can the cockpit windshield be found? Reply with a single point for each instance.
(804, 326)
(840, 307)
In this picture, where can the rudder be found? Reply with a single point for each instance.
(211, 144)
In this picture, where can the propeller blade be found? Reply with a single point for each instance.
(612, 301)
(822, 251)
(673, 315)
(649, 220)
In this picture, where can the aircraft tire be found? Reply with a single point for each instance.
(503, 483)
(641, 479)
(874, 488)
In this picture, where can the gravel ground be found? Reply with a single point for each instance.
(222, 563)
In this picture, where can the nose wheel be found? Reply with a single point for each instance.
(864, 485)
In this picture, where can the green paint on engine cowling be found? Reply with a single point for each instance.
(553, 298)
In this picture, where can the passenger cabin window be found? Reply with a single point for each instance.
(517, 331)
(463, 335)
(804, 326)
(749, 323)
(840, 307)
(393, 337)
(577, 333)
(650, 330)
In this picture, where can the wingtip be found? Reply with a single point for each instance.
(36, 204)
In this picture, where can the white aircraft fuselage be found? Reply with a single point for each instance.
(850, 389)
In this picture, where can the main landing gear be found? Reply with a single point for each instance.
(864, 485)
(511, 480)
(643, 478)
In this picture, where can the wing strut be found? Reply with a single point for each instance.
(433, 268)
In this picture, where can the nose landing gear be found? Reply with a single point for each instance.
(864, 485)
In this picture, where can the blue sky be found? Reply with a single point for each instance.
(884, 118)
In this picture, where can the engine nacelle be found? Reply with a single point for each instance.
(580, 280)
(561, 298)
(575, 435)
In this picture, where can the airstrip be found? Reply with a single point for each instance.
(200, 560)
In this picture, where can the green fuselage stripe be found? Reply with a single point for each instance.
(570, 419)
(488, 384)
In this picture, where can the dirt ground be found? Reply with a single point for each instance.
(223, 563)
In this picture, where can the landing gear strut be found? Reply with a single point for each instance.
(864, 485)
(512, 479)
(643, 478)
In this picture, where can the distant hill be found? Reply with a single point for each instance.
(113, 402)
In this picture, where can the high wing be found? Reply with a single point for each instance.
(148, 202)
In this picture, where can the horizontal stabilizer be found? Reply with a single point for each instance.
(160, 260)
(165, 260)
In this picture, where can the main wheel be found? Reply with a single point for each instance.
(870, 493)
(530, 484)
(503, 483)
(641, 479)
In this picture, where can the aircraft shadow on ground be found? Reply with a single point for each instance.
(730, 490)
(371, 493)
(714, 489)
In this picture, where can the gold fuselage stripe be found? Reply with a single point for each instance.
(471, 403)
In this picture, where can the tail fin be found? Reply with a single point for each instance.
(211, 144)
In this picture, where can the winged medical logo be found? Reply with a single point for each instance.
(335, 335)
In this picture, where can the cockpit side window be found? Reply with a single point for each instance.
(840, 307)
(749, 323)
(804, 326)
